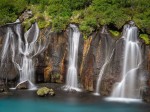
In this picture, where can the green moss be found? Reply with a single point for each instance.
(56, 78)
(44, 91)
(26, 25)
(43, 24)
(114, 33)
(145, 38)
(85, 37)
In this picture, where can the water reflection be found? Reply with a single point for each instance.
(37, 105)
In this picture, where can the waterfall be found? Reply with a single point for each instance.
(6, 45)
(108, 53)
(72, 79)
(29, 49)
(128, 87)
(23, 49)
(26, 67)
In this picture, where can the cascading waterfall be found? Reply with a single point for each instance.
(26, 67)
(108, 56)
(30, 49)
(6, 45)
(23, 52)
(127, 88)
(72, 79)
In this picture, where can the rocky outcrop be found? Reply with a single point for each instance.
(7, 69)
(146, 62)
(25, 15)
(51, 64)
(56, 58)
(147, 58)
(23, 85)
(114, 68)
(87, 70)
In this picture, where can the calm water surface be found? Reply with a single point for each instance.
(36, 105)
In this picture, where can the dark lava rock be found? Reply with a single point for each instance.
(146, 94)
(23, 85)
(1, 90)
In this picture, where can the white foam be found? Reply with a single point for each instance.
(125, 100)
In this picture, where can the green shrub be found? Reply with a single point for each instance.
(88, 14)
(114, 33)
(145, 38)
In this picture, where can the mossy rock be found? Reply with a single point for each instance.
(114, 33)
(44, 91)
(56, 78)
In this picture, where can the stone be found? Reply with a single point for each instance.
(23, 85)
(44, 91)
(1, 90)
(47, 72)
(26, 15)
(146, 94)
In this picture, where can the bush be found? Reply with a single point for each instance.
(89, 14)
(9, 10)
(145, 38)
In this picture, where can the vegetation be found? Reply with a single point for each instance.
(145, 38)
(10, 10)
(114, 33)
(88, 14)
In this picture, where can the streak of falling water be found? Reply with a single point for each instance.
(23, 52)
(108, 56)
(127, 88)
(6, 45)
(72, 79)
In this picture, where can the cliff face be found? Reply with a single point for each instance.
(146, 63)
(98, 50)
(7, 71)
(52, 63)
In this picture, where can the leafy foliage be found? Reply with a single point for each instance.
(10, 9)
(88, 14)
(145, 38)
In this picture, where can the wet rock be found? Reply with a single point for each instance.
(23, 85)
(25, 15)
(8, 70)
(87, 65)
(146, 94)
(96, 49)
(1, 90)
(147, 60)
(47, 72)
(44, 91)
(55, 57)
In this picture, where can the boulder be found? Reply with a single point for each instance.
(1, 90)
(44, 91)
(23, 85)
(146, 94)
